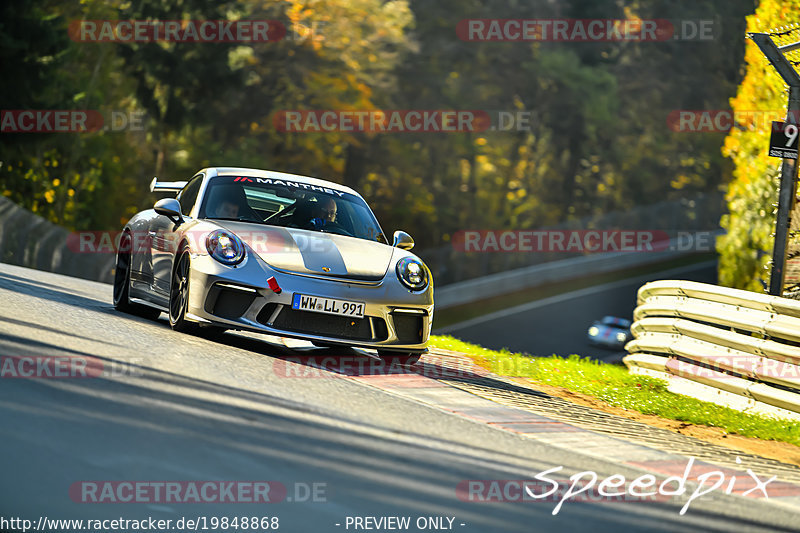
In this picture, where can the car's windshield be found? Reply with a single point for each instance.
(290, 204)
(614, 321)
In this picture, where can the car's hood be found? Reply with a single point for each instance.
(310, 252)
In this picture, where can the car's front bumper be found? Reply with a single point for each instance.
(239, 298)
(607, 342)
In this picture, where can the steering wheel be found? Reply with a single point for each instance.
(333, 227)
(327, 227)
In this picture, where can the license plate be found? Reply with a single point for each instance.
(330, 306)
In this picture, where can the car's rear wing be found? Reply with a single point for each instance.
(166, 186)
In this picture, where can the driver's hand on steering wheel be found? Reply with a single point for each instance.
(317, 223)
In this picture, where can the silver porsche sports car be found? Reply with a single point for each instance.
(288, 255)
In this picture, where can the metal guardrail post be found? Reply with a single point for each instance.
(788, 186)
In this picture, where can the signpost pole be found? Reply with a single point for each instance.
(786, 201)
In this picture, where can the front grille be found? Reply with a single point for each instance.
(228, 303)
(266, 313)
(408, 328)
(325, 325)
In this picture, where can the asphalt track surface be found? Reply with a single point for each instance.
(181, 407)
(558, 325)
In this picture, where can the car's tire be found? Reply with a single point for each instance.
(401, 358)
(122, 283)
(179, 293)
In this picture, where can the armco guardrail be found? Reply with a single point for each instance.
(26, 239)
(474, 290)
(729, 346)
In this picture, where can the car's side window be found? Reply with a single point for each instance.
(188, 195)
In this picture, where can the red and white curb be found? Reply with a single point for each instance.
(556, 433)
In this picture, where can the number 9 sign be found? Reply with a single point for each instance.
(784, 140)
(790, 130)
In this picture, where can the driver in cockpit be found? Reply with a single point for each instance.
(228, 201)
(226, 209)
(326, 210)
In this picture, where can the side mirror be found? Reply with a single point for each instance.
(402, 240)
(170, 208)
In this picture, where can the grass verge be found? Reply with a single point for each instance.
(614, 385)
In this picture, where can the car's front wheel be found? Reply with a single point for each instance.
(401, 358)
(179, 294)
(122, 283)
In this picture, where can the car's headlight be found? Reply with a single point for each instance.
(225, 247)
(412, 273)
(593, 331)
(621, 337)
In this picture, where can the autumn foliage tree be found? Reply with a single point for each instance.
(596, 138)
(746, 248)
